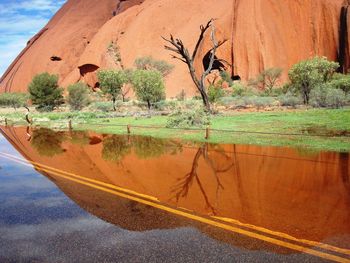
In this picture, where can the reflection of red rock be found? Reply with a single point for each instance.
(260, 34)
(304, 196)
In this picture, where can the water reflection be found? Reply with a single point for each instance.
(225, 164)
(115, 148)
(47, 142)
(274, 189)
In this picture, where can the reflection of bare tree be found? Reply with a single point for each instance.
(29, 136)
(184, 184)
(344, 169)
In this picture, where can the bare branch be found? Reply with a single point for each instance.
(201, 36)
(175, 57)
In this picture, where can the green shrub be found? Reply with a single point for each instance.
(289, 99)
(166, 105)
(238, 89)
(311, 73)
(103, 106)
(44, 92)
(341, 81)
(267, 80)
(326, 96)
(318, 96)
(148, 86)
(336, 98)
(287, 88)
(227, 101)
(14, 100)
(181, 96)
(188, 119)
(215, 93)
(78, 96)
(149, 63)
(192, 104)
(259, 102)
(225, 76)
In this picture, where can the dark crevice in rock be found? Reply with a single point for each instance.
(343, 52)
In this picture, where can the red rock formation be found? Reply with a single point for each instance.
(260, 34)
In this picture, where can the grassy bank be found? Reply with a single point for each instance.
(316, 129)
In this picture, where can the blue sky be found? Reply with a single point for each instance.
(19, 21)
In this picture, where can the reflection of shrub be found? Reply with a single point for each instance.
(47, 142)
(80, 138)
(289, 99)
(78, 96)
(149, 147)
(187, 119)
(115, 148)
(14, 100)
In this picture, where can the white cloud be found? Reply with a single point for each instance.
(19, 21)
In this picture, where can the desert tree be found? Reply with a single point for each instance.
(44, 92)
(148, 86)
(311, 73)
(112, 82)
(177, 46)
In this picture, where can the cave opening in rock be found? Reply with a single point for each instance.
(55, 58)
(97, 85)
(87, 68)
(218, 65)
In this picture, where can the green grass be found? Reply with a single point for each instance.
(320, 120)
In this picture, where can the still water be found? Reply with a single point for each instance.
(88, 197)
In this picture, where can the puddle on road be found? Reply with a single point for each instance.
(271, 190)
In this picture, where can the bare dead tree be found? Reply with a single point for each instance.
(178, 47)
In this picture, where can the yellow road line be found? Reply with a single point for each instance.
(196, 217)
(86, 179)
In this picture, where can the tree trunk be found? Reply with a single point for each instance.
(149, 105)
(114, 108)
(205, 96)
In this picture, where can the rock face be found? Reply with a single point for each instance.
(87, 35)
